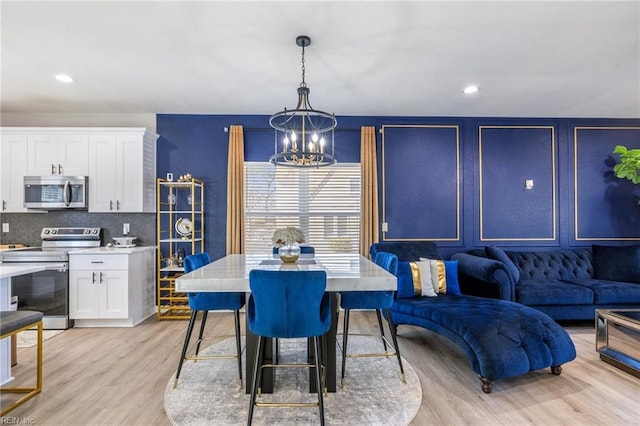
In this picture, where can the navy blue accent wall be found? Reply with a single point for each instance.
(606, 207)
(509, 156)
(198, 144)
(601, 210)
(420, 182)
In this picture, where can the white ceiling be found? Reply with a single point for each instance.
(530, 59)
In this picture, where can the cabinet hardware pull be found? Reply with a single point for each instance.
(4, 205)
(93, 278)
(100, 276)
(117, 204)
(97, 261)
(53, 169)
(59, 169)
(110, 204)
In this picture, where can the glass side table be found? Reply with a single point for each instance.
(618, 338)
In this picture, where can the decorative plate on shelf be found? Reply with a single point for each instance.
(184, 227)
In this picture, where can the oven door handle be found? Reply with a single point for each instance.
(60, 267)
(48, 266)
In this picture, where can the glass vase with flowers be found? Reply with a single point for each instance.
(287, 240)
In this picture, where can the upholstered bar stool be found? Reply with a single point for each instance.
(377, 300)
(205, 302)
(284, 305)
(12, 323)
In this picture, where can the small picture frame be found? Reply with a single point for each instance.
(170, 177)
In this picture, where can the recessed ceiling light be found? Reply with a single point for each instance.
(64, 78)
(471, 89)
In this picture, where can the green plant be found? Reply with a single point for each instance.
(629, 165)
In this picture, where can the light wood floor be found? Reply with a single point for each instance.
(117, 376)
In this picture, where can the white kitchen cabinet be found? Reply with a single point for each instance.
(55, 153)
(111, 287)
(122, 171)
(120, 163)
(13, 166)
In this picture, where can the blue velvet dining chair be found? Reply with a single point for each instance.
(303, 250)
(379, 301)
(205, 302)
(288, 304)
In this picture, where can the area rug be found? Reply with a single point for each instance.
(29, 338)
(208, 391)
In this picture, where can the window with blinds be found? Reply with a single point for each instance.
(323, 202)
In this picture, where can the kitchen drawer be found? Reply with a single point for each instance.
(93, 262)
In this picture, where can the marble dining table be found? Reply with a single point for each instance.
(345, 272)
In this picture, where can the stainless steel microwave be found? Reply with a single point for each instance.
(56, 192)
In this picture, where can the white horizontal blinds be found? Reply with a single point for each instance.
(323, 202)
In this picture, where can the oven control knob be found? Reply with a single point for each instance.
(54, 231)
(46, 231)
(86, 231)
(95, 231)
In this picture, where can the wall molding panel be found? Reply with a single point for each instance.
(517, 185)
(604, 206)
(421, 182)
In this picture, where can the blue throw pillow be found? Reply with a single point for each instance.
(498, 254)
(405, 281)
(451, 270)
(616, 263)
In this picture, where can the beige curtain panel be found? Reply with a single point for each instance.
(369, 196)
(235, 192)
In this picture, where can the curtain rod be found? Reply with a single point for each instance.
(264, 129)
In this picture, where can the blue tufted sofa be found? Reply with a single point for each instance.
(566, 284)
(500, 338)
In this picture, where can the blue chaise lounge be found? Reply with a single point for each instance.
(500, 338)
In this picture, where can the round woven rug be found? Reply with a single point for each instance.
(374, 394)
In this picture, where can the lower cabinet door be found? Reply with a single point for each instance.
(114, 295)
(84, 295)
(98, 294)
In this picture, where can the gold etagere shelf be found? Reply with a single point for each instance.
(180, 232)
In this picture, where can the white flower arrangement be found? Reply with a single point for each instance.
(289, 235)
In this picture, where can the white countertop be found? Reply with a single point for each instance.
(112, 250)
(345, 272)
(8, 271)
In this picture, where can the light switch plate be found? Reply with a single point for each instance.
(5, 227)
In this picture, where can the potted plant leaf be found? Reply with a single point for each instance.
(629, 165)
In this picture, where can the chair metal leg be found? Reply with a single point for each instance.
(204, 321)
(384, 341)
(257, 376)
(345, 334)
(319, 381)
(394, 337)
(236, 315)
(187, 337)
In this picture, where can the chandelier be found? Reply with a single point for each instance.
(303, 135)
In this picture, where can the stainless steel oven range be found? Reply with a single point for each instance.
(48, 291)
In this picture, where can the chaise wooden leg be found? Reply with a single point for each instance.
(486, 384)
(556, 369)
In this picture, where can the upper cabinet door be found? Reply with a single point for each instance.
(43, 154)
(122, 172)
(73, 155)
(103, 179)
(51, 154)
(14, 166)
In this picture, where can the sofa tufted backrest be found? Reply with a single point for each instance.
(407, 251)
(561, 264)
